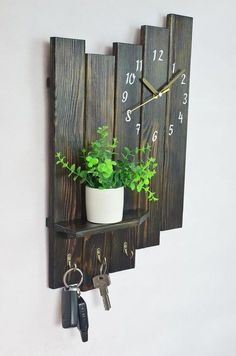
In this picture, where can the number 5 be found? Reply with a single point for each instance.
(171, 129)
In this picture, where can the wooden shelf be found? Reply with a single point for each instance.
(80, 228)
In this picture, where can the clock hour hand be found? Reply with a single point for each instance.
(149, 86)
(159, 93)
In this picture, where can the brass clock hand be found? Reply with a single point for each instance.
(171, 81)
(149, 86)
(159, 93)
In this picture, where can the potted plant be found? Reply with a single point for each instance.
(106, 173)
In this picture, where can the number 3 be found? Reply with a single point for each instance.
(185, 98)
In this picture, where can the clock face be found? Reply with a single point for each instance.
(91, 90)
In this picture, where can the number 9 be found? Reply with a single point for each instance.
(124, 96)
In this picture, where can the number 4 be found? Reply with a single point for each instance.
(180, 117)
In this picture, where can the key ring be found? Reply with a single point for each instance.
(73, 270)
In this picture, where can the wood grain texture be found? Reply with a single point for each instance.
(126, 132)
(127, 95)
(66, 135)
(81, 228)
(99, 110)
(155, 42)
(119, 260)
(180, 28)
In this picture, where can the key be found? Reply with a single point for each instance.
(69, 307)
(83, 323)
(102, 281)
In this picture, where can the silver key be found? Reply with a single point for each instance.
(102, 281)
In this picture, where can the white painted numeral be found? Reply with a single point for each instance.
(125, 96)
(185, 98)
(154, 55)
(139, 65)
(171, 129)
(183, 76)
(160, 56)
(128, 117)
(173, 67)
(154, 136)
(138, 128)
(180, 117)
(130, 78)
(161, 52)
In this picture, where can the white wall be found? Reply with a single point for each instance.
(187, 285)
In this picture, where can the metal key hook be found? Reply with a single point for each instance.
(130, 253)
(103, 262)
(69, 262)
(103, 267)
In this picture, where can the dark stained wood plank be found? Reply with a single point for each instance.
(66, 135)
(155, 42)
(127, 95)
(80, 228)
(119, 260)
(180, 28)
(100, 83)
(99, 110)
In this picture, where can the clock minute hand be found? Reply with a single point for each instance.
(159, 93)
(172, 81)
(154, 97)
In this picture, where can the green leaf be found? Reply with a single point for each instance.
(132, 186)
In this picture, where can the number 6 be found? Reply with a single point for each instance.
(154, 136)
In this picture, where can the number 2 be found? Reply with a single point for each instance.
(183, 76)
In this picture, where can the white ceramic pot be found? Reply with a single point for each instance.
(104, 206)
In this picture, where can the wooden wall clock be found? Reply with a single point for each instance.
(90, 90)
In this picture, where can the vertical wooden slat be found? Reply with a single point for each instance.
(155, 42)
(128, 73)
(127, 95)
(180, 28)
(66, 135)
(99, 110)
